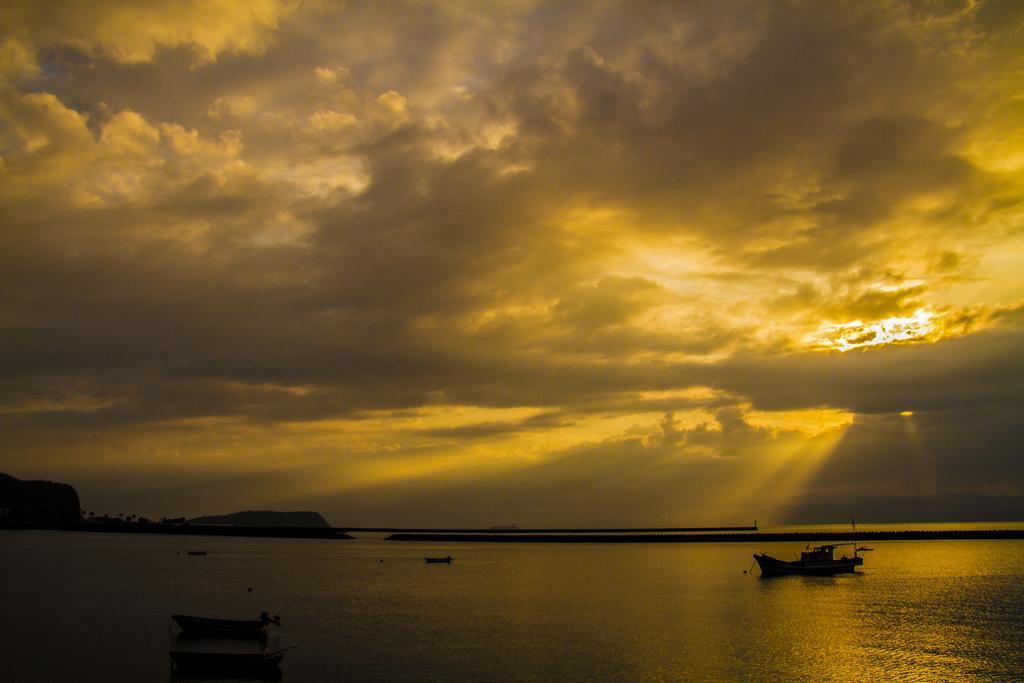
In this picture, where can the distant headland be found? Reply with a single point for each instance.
(265, 518)
(54, 505)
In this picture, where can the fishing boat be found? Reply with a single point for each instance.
(439, 560)
(262, 663)
(204, 627)
(814, 561)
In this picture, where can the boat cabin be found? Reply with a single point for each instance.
(820, 553)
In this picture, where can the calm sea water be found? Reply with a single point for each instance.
(95, 607)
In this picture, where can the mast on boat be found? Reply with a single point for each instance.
(853, 521)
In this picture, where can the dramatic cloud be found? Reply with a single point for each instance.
(536, 263)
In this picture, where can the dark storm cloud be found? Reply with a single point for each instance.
(957, 463)
(647, 133)
(984, 370)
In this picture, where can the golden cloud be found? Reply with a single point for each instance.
(504, 240)
(132, 33)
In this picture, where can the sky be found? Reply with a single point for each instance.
(526, 262)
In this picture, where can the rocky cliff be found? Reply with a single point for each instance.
(37, 502)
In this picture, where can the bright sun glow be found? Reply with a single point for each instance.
(857, 334)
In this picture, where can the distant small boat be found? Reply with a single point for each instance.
(439, 560)
(815, 561)
(262, 663)
(198, 552)
(204, 627)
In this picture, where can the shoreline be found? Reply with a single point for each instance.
(323, 533)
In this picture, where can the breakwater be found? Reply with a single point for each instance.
(517, 530)
(780, 537)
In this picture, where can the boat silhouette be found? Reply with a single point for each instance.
(814, 561)
(205, 627)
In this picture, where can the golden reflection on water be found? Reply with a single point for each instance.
(926, 610)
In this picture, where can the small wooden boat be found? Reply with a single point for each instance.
(203, 627)
(439, 560)
(198, 553)
(263, 663)
(815, 561)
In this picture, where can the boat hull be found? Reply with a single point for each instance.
(203, 627)
(771, 566)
